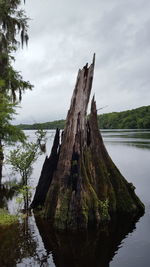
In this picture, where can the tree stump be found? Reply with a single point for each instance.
(85, 187)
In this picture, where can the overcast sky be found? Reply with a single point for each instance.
(64, 34)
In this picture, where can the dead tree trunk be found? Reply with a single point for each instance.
(86, 188)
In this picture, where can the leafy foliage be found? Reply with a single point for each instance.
(13, 27)
(13, 21)
(6, 218)
(131, 119)
(22, 159)
(25, 195)
(8, 133)
(13, 24)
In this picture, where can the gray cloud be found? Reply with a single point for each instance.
(63, 37)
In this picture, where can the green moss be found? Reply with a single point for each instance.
(62, 209)
(85, 201)
(75, 175)
(104, 208)
(94, 209)
(51, 201)
(6, 218)
(74, 163)
(39, 211)
(125, 203)
(112, 199)
(88, 165)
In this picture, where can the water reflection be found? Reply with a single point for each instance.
(16, 243)
(34, 243)
(135, 138)
(84, 249)
(6, 194)
(142, 145)
(26, 244)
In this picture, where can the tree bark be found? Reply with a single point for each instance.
(86, 188)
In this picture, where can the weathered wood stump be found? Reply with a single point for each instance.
(85, 187)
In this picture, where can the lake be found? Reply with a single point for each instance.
(124, 244)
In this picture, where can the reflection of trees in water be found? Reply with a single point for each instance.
(16, 243)
(20, 245)
(5, 195)
(142, 145)
(134, 138)
(11, 190)
(84, 249)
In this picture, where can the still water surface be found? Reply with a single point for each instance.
(126, 244)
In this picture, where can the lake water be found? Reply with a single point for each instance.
(126, 244)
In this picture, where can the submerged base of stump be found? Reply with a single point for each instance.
(88, 248)
(80, 186)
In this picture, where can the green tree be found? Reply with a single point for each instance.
(13, 32)
(8, 133)
(22, 159)
(130, 119)
(13, 26)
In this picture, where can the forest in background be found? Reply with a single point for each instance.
(138, 118)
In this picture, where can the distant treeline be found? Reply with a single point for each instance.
(46, 125)
(138, 118)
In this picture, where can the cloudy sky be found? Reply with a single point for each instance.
(64, 34)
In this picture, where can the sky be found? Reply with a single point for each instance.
(64, 34)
